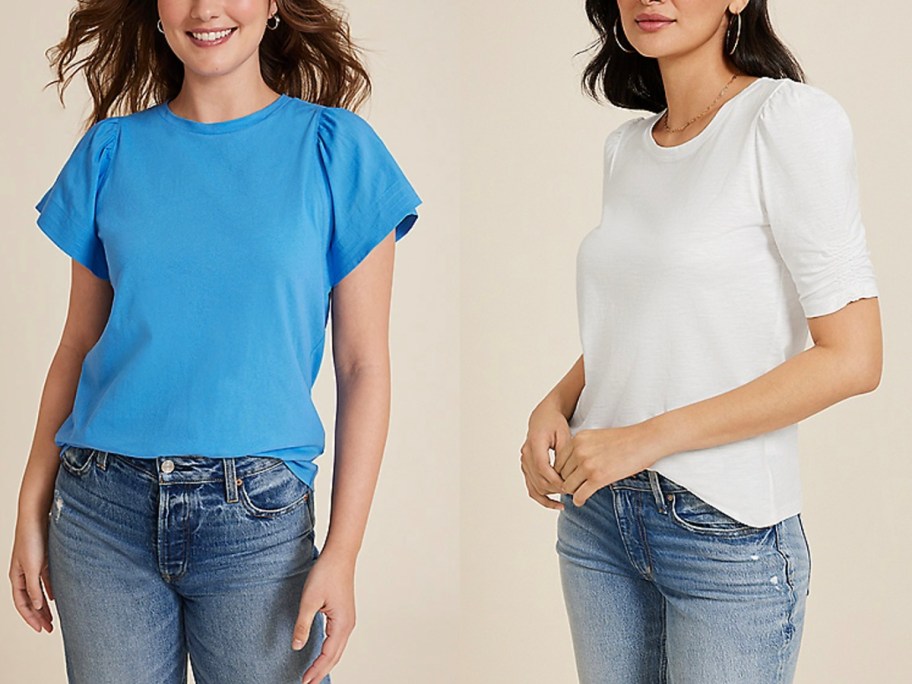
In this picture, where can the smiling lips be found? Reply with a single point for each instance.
(210, 38)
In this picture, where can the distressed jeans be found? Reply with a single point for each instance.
(156, 560)
(662, 588)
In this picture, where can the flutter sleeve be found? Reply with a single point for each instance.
(808, 175)
(370, 195)
(67, 209)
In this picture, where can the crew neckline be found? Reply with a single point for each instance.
(689, 145)
(223, 126)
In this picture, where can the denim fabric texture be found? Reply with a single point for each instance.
(662, 588)
(157, 561)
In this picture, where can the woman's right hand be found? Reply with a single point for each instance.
(548, 429)
(28, 569)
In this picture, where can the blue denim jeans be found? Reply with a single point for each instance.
(662, 588)
(155, 560)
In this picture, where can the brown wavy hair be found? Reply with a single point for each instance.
(131, 66)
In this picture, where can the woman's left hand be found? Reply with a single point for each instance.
(596, 458)
(330, 589)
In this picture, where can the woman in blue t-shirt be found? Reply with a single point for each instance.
(209, 226)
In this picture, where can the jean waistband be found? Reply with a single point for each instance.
(190, 469)
(650, 480)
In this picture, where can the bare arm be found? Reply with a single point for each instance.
(88, 310)
(89, 306)
(361, 309)
(846, 359)
(566, 393)
(360, 334)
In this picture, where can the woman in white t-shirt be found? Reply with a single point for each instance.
(731, 228)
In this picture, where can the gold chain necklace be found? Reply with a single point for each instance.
(677, 130)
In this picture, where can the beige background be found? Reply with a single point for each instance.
(532, 178)
(407, 581)
(480, 103)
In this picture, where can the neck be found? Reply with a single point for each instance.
(230, 96)
(692, 80)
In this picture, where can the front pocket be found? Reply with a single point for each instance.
(272, 491)
(77, 460)
(696, 515)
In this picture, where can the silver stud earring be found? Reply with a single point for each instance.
(159, 25)
(617, 40)
(276, 17)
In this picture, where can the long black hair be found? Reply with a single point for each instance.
(633, 81)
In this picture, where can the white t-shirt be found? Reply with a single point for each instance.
(708, 258)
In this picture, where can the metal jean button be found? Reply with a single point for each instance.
(167, 466)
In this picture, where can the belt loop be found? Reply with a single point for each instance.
(101, 458)
(231, 493)
(656, 489)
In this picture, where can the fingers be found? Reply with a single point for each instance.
(574, 480)
(539, 496)
(562, 455)
(537, 466)
(561, 439)
(581, 495)
(337, 632)
(33, 586)
(301, 632)
(37, 619)
(545, 501)
(540, 459)
(535, 454)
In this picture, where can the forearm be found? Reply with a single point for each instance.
(566, 393)
(58, 394)
(803, 385)
(362, 424)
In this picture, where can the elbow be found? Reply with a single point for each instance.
(871, 381)
(868, 377)
(352, 371)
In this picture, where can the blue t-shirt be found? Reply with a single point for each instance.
(222, 242)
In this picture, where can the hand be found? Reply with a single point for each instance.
(548, 429)
(596, 458)
(330, 589)
(28, 569)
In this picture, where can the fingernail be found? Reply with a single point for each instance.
(296, 644)
(36, 604)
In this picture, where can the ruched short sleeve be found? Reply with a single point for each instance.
(809, 182)
(67, 209)
(370, 195)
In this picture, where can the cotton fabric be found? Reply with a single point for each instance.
(709, 258)
(222, 242)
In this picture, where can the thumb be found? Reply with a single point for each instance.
(561, 437)
(46, 578)
(301, 632)
(562, 453)
(33, 587)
